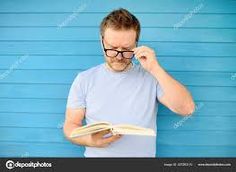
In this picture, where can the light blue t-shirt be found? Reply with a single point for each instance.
(129, 97)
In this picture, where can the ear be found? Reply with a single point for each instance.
(101, 40)
(101, 37)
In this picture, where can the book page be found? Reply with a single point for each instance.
(129, 126)
(132, 130)
(126, 129)
(90, 128)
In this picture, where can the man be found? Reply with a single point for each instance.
(119, 91)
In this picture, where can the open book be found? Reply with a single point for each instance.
(123, 129)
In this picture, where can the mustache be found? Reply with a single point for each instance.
(119, 61)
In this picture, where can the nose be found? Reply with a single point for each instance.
(119, 56)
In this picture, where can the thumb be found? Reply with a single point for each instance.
(101, 133)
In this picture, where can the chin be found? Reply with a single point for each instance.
(118, 68)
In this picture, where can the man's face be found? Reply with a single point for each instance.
(121, 40)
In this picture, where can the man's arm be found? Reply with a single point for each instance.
(74, 118)
(176, 97)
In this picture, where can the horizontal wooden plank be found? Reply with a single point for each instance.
(49, 135)
(10, 64)
(147, 34)
(173, 137)
(53, 62)
(146, 19)
(34, 91)
(40, 76)
(207, 6)
(92, 48)
(205, 78)
(56, 91)
(213, 93)
(198, 64)
(24, 91)
(173, 122)
(195, 151)
(215, 108)
(43, 120)
(24, 150)
(204, 108)
(196, 138)
(67, 77)
(33, 105)
(196, 122)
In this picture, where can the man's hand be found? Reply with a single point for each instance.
(175, 96)
(98, 140)
(147, 57)
(74, 118)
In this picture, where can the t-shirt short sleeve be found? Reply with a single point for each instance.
(76, 97)
(160, 91)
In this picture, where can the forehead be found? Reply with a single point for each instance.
(120, 38)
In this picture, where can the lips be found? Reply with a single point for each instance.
(116, 62)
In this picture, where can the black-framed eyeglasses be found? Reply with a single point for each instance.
(114, 53)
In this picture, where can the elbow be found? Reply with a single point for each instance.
(188, 109)
(66, 132)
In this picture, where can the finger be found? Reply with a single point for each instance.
(141, 48)
(137, 54)
(111, 139)
(137, 50)
(101, 133)
(141, 55)
(107, 141)
(141, 52)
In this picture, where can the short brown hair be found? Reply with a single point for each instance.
(120, 19)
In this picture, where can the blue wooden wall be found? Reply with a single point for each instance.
(45, 43)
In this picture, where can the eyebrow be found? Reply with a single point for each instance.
(125, 48)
